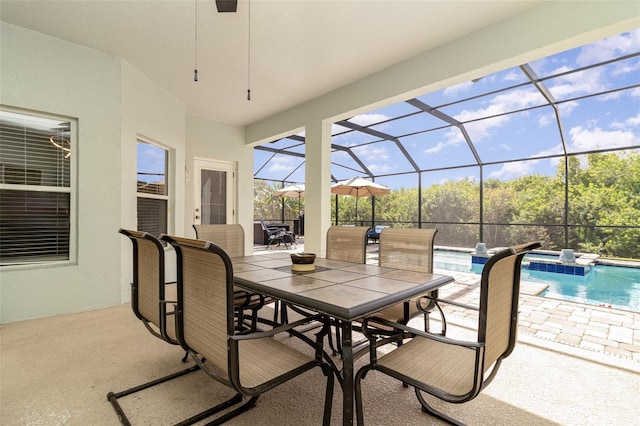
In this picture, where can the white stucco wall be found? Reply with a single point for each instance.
(114, 105)
(216, 141)
(150, 113)
(45, 74)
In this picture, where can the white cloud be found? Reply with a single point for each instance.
(283, 163)
(452, 138)
(368, 119)
(457, 89)
(609, 48)
(546, 119)
(566, 108)
(437, 148)
(511, 101)
(633, 121)
(510, 171)
(512, 76)
(581, 82)
(584, 138)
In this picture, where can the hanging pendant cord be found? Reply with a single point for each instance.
(249, 57)
(195, 69)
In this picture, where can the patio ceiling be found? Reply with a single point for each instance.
(290, 41)
(580, 101)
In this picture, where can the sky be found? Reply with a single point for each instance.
(609, 120)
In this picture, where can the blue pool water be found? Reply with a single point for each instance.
(614, 286)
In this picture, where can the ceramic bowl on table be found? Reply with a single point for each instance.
(303, 262)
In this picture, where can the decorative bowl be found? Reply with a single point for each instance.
(303, 262)
(303, 258)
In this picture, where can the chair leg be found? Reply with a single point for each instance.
(328, 397)
(114, 396)
(426, 408)
(231, 414)
(360, 375)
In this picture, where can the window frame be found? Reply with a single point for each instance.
(167, 189)
(72, 190)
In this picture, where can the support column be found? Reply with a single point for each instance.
(317, 212)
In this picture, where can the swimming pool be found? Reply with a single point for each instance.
(610, 286)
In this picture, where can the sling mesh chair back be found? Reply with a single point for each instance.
(348, 243)
(153, 302)
(412, 250)
(453, 370)
(249, 362)
(151, 297)
(230, 237)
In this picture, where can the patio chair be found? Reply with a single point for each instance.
(348, 243)
(411, 250)
(250, 363)
(228, 236)
(152, 301)
(453, 370)
(278, 235)
(231, 238)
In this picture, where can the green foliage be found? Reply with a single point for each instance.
(603, 214)
(270, 207)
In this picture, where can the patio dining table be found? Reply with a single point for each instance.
(345, 291)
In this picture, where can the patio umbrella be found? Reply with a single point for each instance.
(292, 191)
(359, 187)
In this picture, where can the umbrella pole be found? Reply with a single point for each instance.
(357, 190)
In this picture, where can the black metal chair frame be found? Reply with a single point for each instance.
(479, 380)
(232, 378)
(113, 397)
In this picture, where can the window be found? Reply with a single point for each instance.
(153, 198)
(36, 188)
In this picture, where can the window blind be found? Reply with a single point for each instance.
(35, 189)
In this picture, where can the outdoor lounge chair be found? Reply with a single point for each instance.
(374, 233)
(152, 301)
(278, 236)
(230, 237)
(453, 370)
(250, 363)
(409, 249)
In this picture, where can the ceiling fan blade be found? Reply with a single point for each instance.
(227, 5)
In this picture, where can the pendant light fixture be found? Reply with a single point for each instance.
(249, 54)
(195, 68)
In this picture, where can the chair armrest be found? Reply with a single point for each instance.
(370, 333)
(282, 328)
(424, 308)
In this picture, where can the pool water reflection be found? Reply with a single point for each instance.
(610, 286)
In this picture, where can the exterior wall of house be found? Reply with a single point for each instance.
(154, 115)
(114, 105)
(42, 73)
(216, 141)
